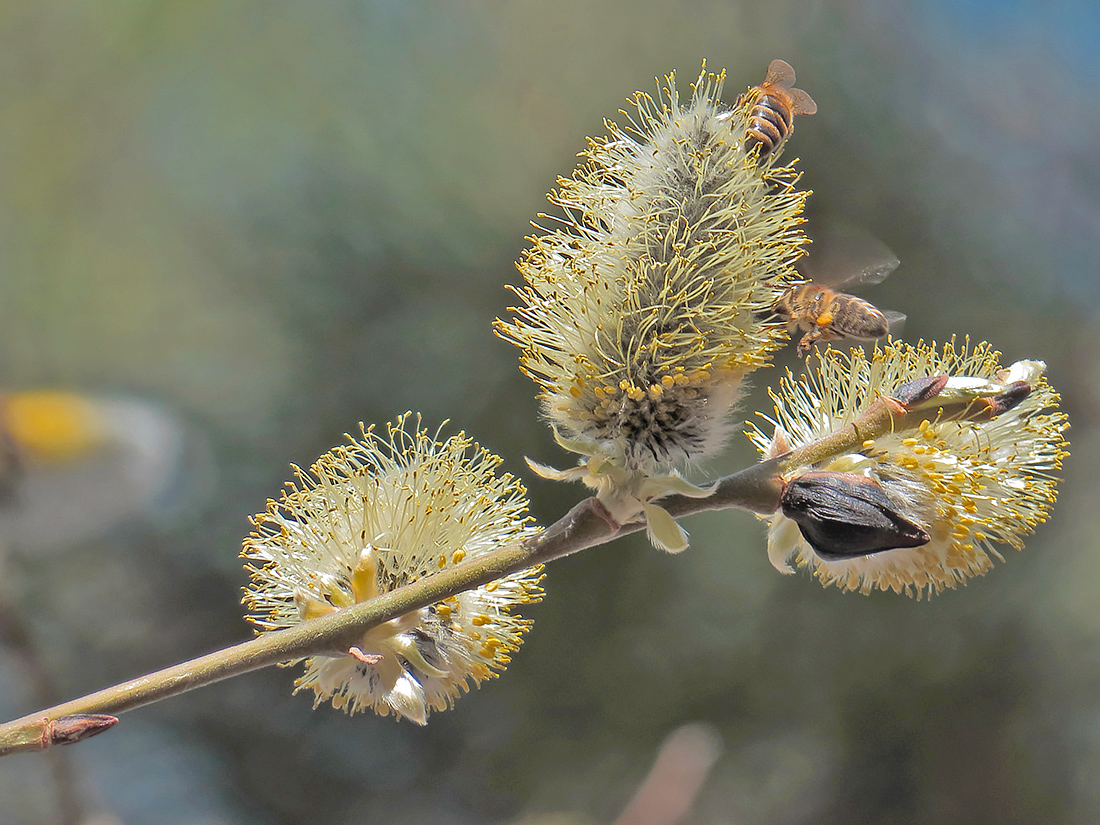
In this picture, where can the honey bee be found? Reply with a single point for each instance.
(841, 256)
(771, 120)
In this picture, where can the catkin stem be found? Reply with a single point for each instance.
(588, 524)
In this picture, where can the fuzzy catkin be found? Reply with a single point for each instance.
(971, 484)
(376, 514)
(652, 299)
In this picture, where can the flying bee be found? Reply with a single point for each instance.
(823, 314)
(841, 255)
(775, 103)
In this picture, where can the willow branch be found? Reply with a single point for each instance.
(588, 524)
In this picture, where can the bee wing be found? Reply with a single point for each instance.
(802, 103)
(896, 321)
(780, 73)
(845, 255)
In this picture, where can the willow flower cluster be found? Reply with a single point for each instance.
(661, 287)
(974, 468)
(369, 517)
(653, 298)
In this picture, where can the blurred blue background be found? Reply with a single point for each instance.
(269, 221)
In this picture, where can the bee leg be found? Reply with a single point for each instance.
(808, 341)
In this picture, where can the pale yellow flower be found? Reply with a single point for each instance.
(377, 514)
(969, 484)
(652, 298)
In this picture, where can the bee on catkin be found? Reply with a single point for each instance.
(646, 307)
(774, 104)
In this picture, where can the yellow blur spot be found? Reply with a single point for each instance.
(51, 426)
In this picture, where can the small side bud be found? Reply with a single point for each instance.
(67, 730)
(780, 444)
(1016, 392)
(998, 404)
(1027, 371)
(844, 515)
(995, 401)
(919, 391)
(969, 398)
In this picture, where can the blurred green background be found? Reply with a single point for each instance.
(269, 221)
